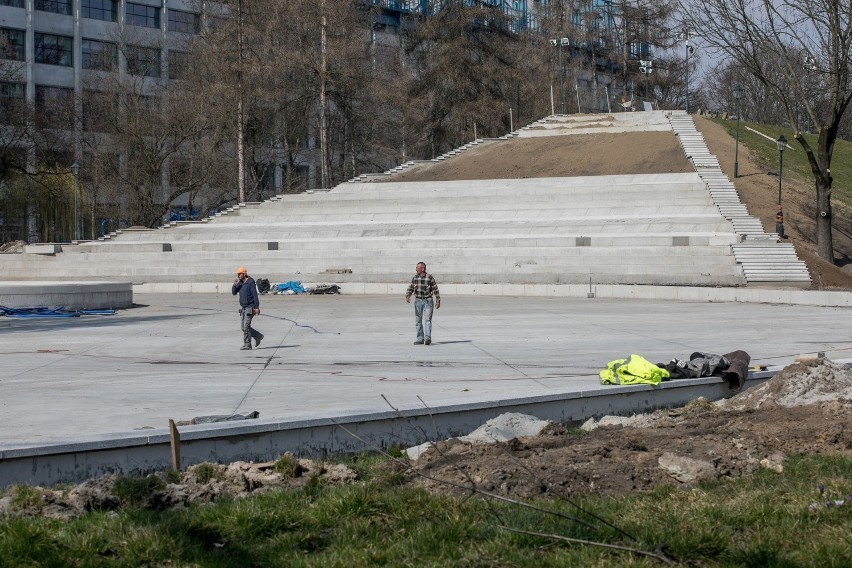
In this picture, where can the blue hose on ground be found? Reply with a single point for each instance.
(44, 312)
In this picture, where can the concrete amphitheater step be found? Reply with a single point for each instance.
(408, 241)
(669, 229)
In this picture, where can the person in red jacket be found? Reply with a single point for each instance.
(779, 223)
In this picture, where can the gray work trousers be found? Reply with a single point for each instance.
(249, 332)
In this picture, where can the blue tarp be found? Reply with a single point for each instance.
(292, 285)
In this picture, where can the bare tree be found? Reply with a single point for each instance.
(469, 63)
(801, 52)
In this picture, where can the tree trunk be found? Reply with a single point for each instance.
(820, 167)
(324, 165)
(241, 175)
(825, 242)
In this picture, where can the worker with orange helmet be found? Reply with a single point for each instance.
(249, 306)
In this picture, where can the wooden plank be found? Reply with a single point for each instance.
(175, 443)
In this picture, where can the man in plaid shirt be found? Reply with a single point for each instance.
(423, 286)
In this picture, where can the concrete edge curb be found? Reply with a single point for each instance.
(129, 453)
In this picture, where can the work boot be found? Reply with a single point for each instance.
(258, 340)
(428, 341)
(419, 341)
(245, 348)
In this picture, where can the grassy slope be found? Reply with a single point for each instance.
(767, 519)
(795, 161)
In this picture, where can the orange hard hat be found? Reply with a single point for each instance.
(242, 270)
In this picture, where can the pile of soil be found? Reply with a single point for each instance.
(201, 483)
(559, 156)
(13, 247)
(804, 409)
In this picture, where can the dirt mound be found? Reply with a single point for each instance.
(560, 156)
(809, 382)
(804, 409)
(13, 247)
(200, 483)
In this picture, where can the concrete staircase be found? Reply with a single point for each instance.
(366, 235)
(660, 229)
(562, 124)
(763, 258)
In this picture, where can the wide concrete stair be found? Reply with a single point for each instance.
(764, 259)
(661, 229)
(567, 124)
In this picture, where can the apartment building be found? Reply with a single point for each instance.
(68, 53)
(57, 40)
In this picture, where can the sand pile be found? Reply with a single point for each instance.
(13, 247)
(810, 382)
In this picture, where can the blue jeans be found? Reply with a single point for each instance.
(423, 316)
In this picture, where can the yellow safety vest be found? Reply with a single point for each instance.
(634, 370)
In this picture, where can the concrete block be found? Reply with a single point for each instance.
(43, 248)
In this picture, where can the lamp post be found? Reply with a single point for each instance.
(646, 68)
(685, 36)
(782, 143)
(75, 170)
(560, 42)
(738, 94)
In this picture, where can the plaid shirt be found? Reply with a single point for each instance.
(423, 287)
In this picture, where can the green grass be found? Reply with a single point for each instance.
(795, 161)
(762, 520)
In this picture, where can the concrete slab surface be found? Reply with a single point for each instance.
(176, 356)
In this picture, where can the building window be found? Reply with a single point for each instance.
(143, 117)
(54, 159)
(11, 99)
(100, 110)
(46, 95)
(100, 55)
(106, 10)
(54, 49)
(12, 3)
(143, 61)
(55, 6)
(178, 64)
(149, 105)
(12, 91)
(12, 43)
(183, 22)
(142, 15)
(55, 105)
(633, 50)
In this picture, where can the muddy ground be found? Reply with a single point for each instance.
(804, 409)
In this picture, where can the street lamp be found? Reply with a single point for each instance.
(738, 94)
(646, 68)
(685, 36)
(782, 143)
(560, 42)
(75, 170)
